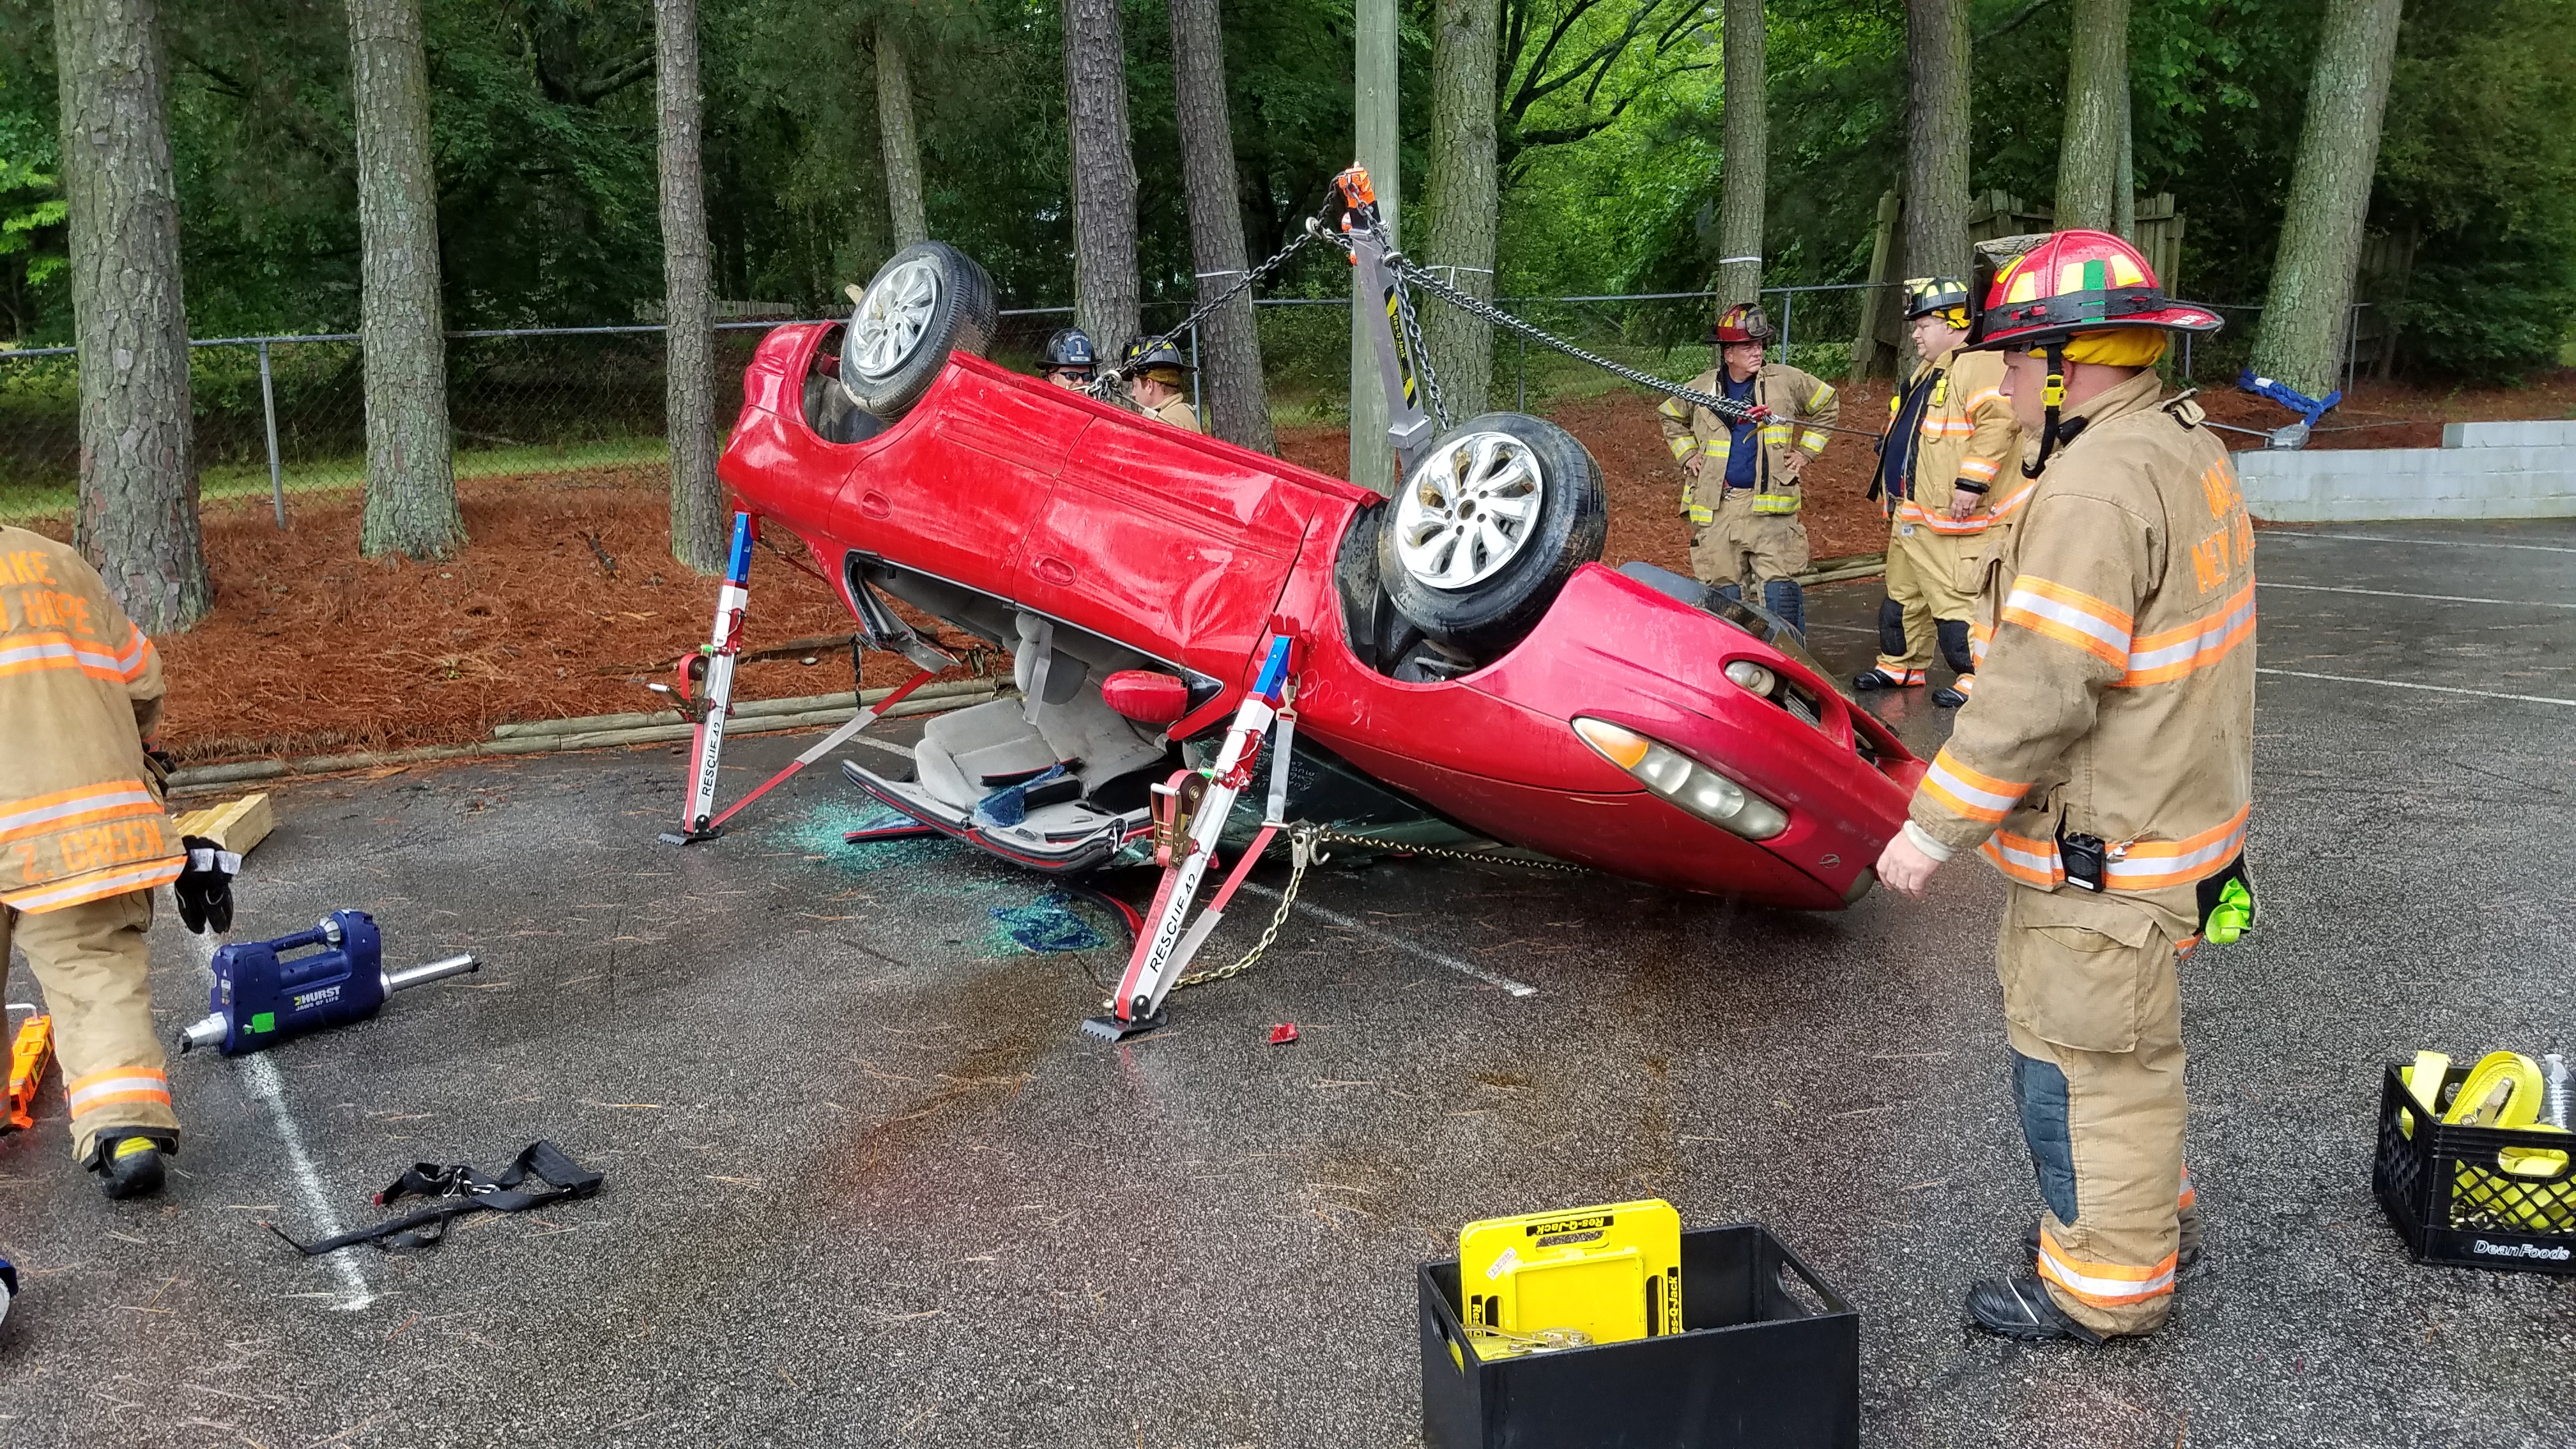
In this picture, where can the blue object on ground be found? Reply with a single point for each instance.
(2308, 408)
(1048, 924)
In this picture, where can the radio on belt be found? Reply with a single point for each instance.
(263, 996)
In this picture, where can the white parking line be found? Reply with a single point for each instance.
(2392, 538)
(2402, 594)
(271, 1091)
(1463, 968)
(2409, 684)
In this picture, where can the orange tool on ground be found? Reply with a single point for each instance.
(28, 1058)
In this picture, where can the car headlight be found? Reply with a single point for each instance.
(1752, 676)
(1684, 781)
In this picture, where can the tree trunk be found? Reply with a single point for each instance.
(2088, 152)
(1105, 289)
(1463, 201)
(2301, 336)
(138, 470)
(903, 143)
(2124, 180)
(699, 535)
(869, 240)
(411, 476)
(1374, 143)
(1936, 144)
(1748, 150)
(1230, 347)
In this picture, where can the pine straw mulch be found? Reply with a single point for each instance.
(312, 649)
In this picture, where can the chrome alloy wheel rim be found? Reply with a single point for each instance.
(892, 315)
(1469, 510)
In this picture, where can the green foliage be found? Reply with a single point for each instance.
(1612, 124)
(32, 255)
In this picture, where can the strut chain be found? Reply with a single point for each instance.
(1305, 845)
(1105, 385)
(1421, 354)
(1726, 408)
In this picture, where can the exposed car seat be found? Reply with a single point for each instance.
(967, 755)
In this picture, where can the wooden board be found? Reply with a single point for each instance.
(237, 825)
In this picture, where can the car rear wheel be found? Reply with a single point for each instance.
(1499, 512)
(927, 301)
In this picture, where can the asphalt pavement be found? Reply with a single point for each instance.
(866, 1185)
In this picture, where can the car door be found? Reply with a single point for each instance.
(1165, 542)
(953, 488)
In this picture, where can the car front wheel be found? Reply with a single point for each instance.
(1499, 512)
(928, 300)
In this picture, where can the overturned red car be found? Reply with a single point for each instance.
(1463, 664)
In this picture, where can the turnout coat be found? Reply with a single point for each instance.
(81, 816)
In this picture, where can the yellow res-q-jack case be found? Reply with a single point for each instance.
(1612, 1272)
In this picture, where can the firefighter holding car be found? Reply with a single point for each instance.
(2105, 766)
(1950, 435)
(1740, 480)
(83, 841)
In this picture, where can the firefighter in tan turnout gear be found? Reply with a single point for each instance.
(1156, 386)
(1950, 435)
(2105, 766)
(1740, 481)
(83, 841)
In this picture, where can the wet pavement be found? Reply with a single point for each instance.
(865, 1185)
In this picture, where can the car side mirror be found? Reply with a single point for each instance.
(1146, 696)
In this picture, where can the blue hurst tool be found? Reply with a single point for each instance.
(2309, 409)
(263, 996)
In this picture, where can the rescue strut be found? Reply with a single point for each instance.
(878, 628)
(1190, 811)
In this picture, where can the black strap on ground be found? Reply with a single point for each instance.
(456, 1190)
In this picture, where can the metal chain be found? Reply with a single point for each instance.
(1305, 844)
(1421, 354)
(1104, 386)
(1725, 408)
(1301, 854)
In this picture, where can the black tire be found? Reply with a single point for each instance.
(886, 381)
(1488, 616)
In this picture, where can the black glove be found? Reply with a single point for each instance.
(205, 886)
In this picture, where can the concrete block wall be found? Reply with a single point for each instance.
(2482, 470)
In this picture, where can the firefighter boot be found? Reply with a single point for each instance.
(1962, 661)
(1891, 645)
(2019, 1307)
(1784, 598)
(128, 1165)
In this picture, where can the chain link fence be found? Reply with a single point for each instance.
(287, 414)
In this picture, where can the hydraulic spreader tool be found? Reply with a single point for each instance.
(263, 995)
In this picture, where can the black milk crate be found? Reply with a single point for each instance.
(2445, 1191)
(1753, 1368)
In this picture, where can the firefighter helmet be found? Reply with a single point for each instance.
(2076, 281)
(1742, 322)
(1945, 295)
(1070, 350)
(1164, 353)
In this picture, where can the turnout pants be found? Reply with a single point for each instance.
(1929, 586)
(2093, 1009)
(91, 961)
(1746, 548)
